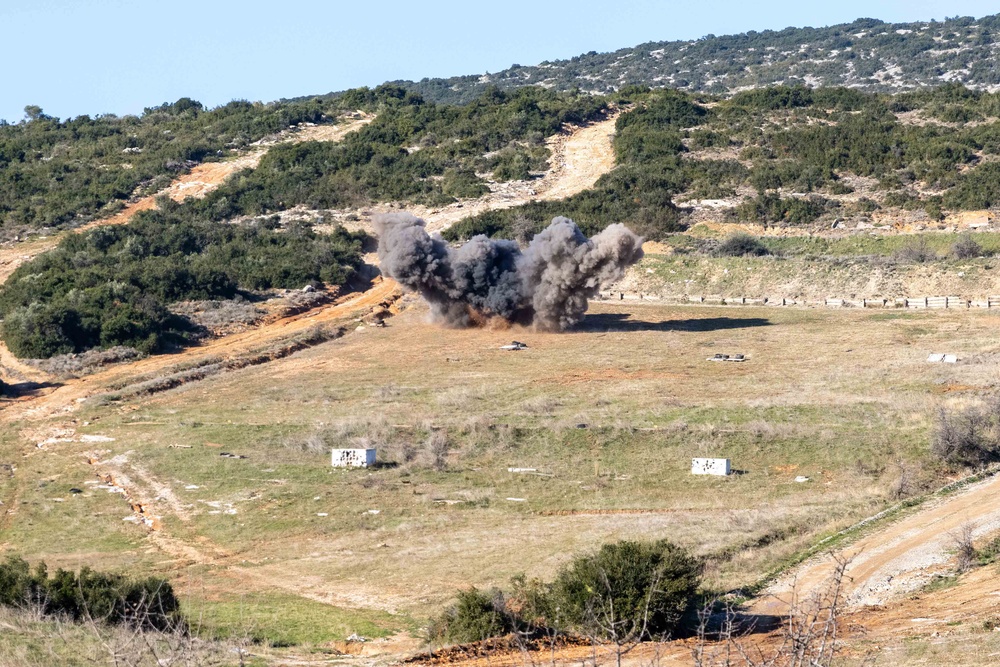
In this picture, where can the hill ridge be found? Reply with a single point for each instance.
(867, 53)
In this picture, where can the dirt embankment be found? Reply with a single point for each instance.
(61, 398)
(666, 275)
(900, 558)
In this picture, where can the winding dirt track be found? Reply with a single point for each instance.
(579, 156)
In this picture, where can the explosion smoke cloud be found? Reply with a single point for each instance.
(547, 284)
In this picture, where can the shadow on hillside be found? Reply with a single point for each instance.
(623, 322)
(19, 389)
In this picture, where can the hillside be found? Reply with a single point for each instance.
(867, 54)
(204, 338)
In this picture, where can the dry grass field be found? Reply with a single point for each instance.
(609, 415)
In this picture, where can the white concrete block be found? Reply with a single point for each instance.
(710, 467)
(352, 458)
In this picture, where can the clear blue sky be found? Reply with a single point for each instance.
(75, 57)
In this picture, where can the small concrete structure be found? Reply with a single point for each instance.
(936, 358)
(710, 467)
(352, 458)
(727, 357)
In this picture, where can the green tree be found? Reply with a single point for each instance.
(628, 591)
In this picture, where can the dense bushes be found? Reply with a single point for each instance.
(626, 591)
(111, 598)
(639, 192)
(53, 172)
(792, 141)
(770, 209)
(415, 152)
(637, 589)
(112, 285)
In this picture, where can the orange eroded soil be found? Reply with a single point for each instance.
(60, 399)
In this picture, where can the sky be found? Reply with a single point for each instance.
(74, 57)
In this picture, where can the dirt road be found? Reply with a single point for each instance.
(61, 398)
(580, 155)
(899, 558)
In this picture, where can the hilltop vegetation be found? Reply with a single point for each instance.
(784, 156)
(414, 151)
(113, 286)
(57, 173)
(867, 54)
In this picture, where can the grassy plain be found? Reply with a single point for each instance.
(609, 415)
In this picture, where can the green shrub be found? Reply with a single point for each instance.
(628, 589)
(475, 616)
(770, 209)
(989, 552)
(112, 286)
(110, 598)
(58, 172)
(462, 184)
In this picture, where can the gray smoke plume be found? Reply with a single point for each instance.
(547, 284)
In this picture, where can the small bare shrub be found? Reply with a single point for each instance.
(965, 550)
(523, 229)
(916, 252)
(541, 405)
(219, 316)
(906, 483)
(762, 430)
(478, 431)
(969, 437)
(808, 637)
(438, 446)
(387, 392)
(84, 363)
(362, 433)
(966, 248)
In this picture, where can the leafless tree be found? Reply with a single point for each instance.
(808, 636)
(965, 549)
(625, 631)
